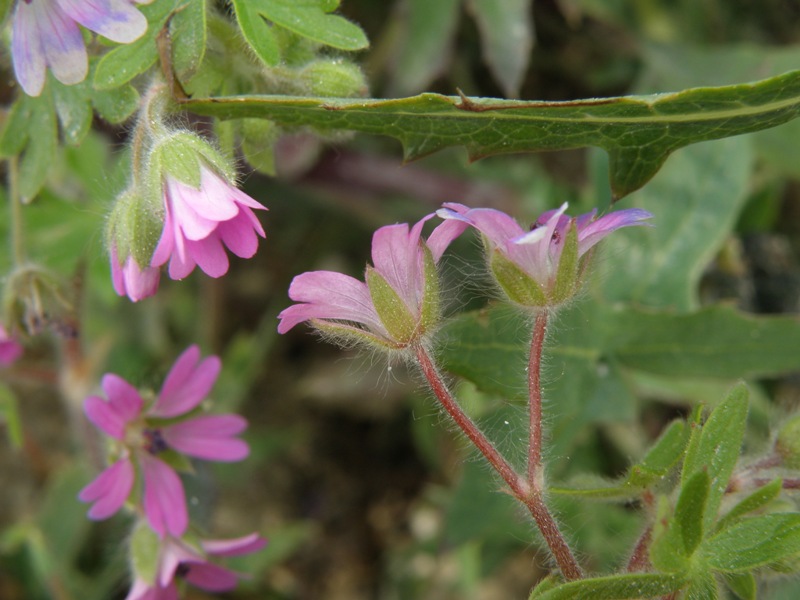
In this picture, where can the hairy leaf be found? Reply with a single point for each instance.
(754, 542)
(616, 587)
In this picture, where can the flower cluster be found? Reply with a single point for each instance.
(45, 33)
(399, 302)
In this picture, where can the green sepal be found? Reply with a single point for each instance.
(144, 553)
(135, 226)
(758, 499)
(349, 335)
(333, 78)
(181, 154)
(393, 312)
(520, 287)
(566, 282)
(431, 298)
(742, 584)
(616, 587)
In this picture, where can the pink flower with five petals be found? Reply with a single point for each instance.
(142, 431)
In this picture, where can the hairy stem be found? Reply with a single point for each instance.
(526, 491)
(535, 398)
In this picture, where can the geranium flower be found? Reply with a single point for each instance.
(10, 349)
(131, 280)
(198, 220)
(540, 266)
(178, 558)
(396, 306)
(45, 33)
(144, 431)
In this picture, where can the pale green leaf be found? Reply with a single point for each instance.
(616, 587)
(308, 19)
(754, 542)
(188, 32)
(256, 32)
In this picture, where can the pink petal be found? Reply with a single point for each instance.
(164, 498)
(27, 52)
(109, 490)
(173, 554)
(123, 397)
(166, 243)
(184, 201)
(397, 255)
(210, 577)
(131, 280)
(235, 547)
(209, 437)
(62, 43)
(10, 349)
(115, 19)
(329, 295)
(209, 255)
(593, 232)
(181, 266)
(186, 384)
(239, 235)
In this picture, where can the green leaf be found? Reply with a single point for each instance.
(664, 454)
(695, 201)
(742, 584)
(40, 150)
(616, 587)
(638, 132)
(703, 586)
(256, 32)
(125, 62)
(188, 31)
(115, 106)
(506, 32)
(758, 499)
(424, 55)
(74, 111)
(307, 19)
(754, 543)
(718, 448)
(690, 510)
(9, 416)
(667, 549)
(15, 128)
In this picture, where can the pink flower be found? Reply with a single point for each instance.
(199, 220)
(177, 558)
(10, 349)
(396, 306)
(142, 433)
(528, 264)
(45, 34)
(131, 280)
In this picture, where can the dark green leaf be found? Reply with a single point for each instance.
(616, 587)
(718, 448)
(690, 510)
(506, 39)
(429, 34)
(307, 19)
(758, 499)
(638, 132)
(256, 32)
(188, 32)
(754, 542)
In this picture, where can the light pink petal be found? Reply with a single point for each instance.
(62, 43)
(115, 19)
(495, 225)
(187, 383)
(532, 250)
(132, 281)
(164, 498)
(444, 234)
(27, 52)
(209, 255)
(184, 201)
(593, 232)
(173, 554)
(104, 417)
(239, 235)
(122, 396)
(397, 255)
(209, 437)
(109, 490)
(329, 295)
(181, 266)
(234, 547)
(209, 577)
(244, 200)
(166, 243)
(141, 590)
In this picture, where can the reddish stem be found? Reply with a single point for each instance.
(526, 492)
(640, 558)
(535, 398)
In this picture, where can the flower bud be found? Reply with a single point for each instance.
(334, 78)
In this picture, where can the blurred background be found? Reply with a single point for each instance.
(359, 483)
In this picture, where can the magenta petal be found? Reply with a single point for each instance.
(115, 19)
(238, 235)
(164, 498)
(397, 255)
(181, 266)
(186, 384)
(109, 490)
(209, 437)
(10, 349)
(209, 255)
(183, 201)
(329, 295)
(122, 396)
(209, 577)
(234, 547)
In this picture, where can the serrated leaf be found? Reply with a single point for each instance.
(125, 62)
(718, 448)
(638, 132)
(188, 30)
(307, 19)
(616, 587)
(754, 542)
(506, 30)
(429, 33)
(758, 499)
(256, 32)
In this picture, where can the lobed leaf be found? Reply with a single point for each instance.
(638, 132)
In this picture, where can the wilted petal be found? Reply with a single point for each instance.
(187, 383)
(164, 498)
(329, 295)
(209, 437)
(109, 490)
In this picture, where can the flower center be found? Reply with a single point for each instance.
(154, 441)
